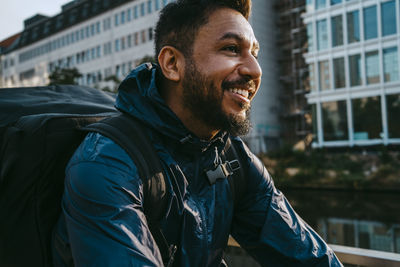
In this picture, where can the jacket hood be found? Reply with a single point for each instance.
(138, 96)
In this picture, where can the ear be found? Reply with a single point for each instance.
(171, 63)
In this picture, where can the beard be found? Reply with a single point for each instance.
(204, 100)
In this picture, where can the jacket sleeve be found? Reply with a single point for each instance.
(103, 209)
(268, 228)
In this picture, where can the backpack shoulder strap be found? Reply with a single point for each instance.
(128, 133)
(237, 181)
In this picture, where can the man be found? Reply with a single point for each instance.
(192, 102)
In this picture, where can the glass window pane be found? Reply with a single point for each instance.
(337, 30)
(367, 109)
(390, 64)
(372, 67)
(353, 26)
(310, 37)
(322, 34)
(338, 72)
(393, 113)
(334, 117)
(320, 4)
(310, 85)
(324, 77)
(370, 23)
(355, 70)
(309, 6)
(388, 10)
(334, 2)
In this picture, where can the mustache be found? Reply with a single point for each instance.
(244, 83)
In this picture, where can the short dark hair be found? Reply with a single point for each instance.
(179, 21)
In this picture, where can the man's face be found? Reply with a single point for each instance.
(222, 75)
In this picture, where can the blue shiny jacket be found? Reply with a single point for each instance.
(103, 223)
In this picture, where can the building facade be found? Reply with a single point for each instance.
(292, 41)
(106, 39)
(353, 71)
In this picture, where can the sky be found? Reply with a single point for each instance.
(14, 12)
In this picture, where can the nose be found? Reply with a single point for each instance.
(250, 68)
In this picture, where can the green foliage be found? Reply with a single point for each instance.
(322, 168)
(64, 76)
(146, 59)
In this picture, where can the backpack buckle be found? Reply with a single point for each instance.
(223, 170)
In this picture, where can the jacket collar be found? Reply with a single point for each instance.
(138, 96)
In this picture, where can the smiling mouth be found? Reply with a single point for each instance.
(245, 89)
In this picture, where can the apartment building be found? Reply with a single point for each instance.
(353, 71)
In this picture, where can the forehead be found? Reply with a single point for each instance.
(226, 22)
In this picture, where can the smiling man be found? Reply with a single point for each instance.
(194, 104)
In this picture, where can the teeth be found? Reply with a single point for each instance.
(241, 92)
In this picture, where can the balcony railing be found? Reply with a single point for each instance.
(358, 256)
(366, 257)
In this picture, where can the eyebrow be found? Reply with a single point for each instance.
(238, 38)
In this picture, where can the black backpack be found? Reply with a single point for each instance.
(40, 128)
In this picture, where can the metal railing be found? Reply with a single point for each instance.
(366, 257)
(358, 256)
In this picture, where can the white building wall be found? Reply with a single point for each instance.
(266, 104)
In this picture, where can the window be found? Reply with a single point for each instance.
(142, 9)
(116, 19)
(123, 43)
(92, 29)
(320, 4)
(372, 67)
(339, 78)
(353, 27)
(355, 70)
(59, 22)
(309, 6)
(129, 40)
(390, 65)
(388, 10)
(324, 76)
(129, 15)
(310, 37)
(393, 113)
(73, 16)
(337, 30)
(98, 51)
(123, 17)
(149, 7)
(370, 23)
(322, 35)
(117, 45)
(87, 30)
(157, 4)
(136, 12)
(143, 35)
(334, 117)
(165, 2)
(310, 85)
(136, 38)
(98, 27)
(367, 109)
(150, 34)
(93, 53)
(335, 2)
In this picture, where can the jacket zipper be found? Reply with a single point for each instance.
(202, 216)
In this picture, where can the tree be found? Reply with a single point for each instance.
(146, 59)
(64, 76)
